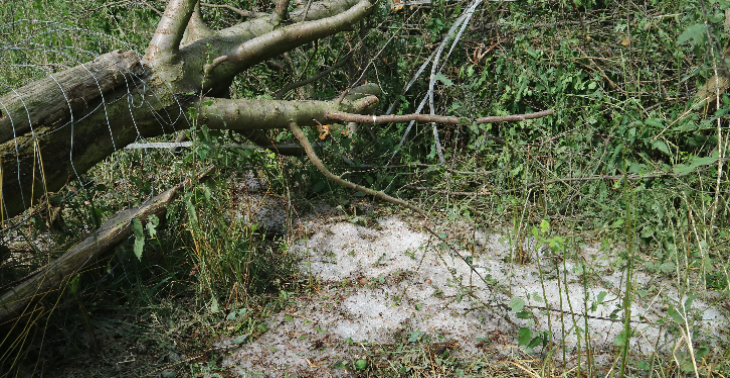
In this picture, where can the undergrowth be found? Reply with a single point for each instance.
(630, 158)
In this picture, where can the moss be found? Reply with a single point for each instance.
(22, 141)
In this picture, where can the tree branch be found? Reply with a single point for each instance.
(115, 230)
(280, 12)
(279, 41)
(322, 9)
(347, 117)
(170, 30)
(13, 303)
(299, 134)
(197, 29)
(243, 115)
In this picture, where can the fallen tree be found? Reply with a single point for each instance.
(55, 129)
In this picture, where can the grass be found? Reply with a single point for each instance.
(627, 161)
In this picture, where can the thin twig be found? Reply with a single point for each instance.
(209, 67)
(349, 117)
(299, 134)
(306, 10)
(592, 178)
(280, 94)
(231, 8)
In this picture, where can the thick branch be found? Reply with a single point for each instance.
(322, 9)
(197, 29)
(281, 40)
(280, 12)
(244, 115)
(299, 134)
(261, 25)
(112, 232)
(64, 96)
(170, 30)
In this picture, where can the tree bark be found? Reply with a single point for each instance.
(55, 129)
(14, 302)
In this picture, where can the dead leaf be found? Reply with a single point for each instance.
(313, 365)
(324, 130)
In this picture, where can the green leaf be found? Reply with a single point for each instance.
(683, 169)
(415, 336)
(675, 315)
(440, 77)
(75, 284)
(214, 305)
(693, 33)
(524, 335)
(138, 238)
(655, 122)
(152, 222)
(667, 267)
(662, 147)
(621, 339)
(524, 315)
(240, 339)
(516, 304)
(537, 340)
(544, 226)
(601, 296)
(701, 352)
(361, 364)
(318, 186)
(192, 215)
(537, 297)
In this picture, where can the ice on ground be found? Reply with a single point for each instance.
(391, 281)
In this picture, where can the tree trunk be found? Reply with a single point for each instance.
(55, 129)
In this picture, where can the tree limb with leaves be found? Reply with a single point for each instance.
(62, 125)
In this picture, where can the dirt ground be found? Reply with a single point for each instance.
(388, 281)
